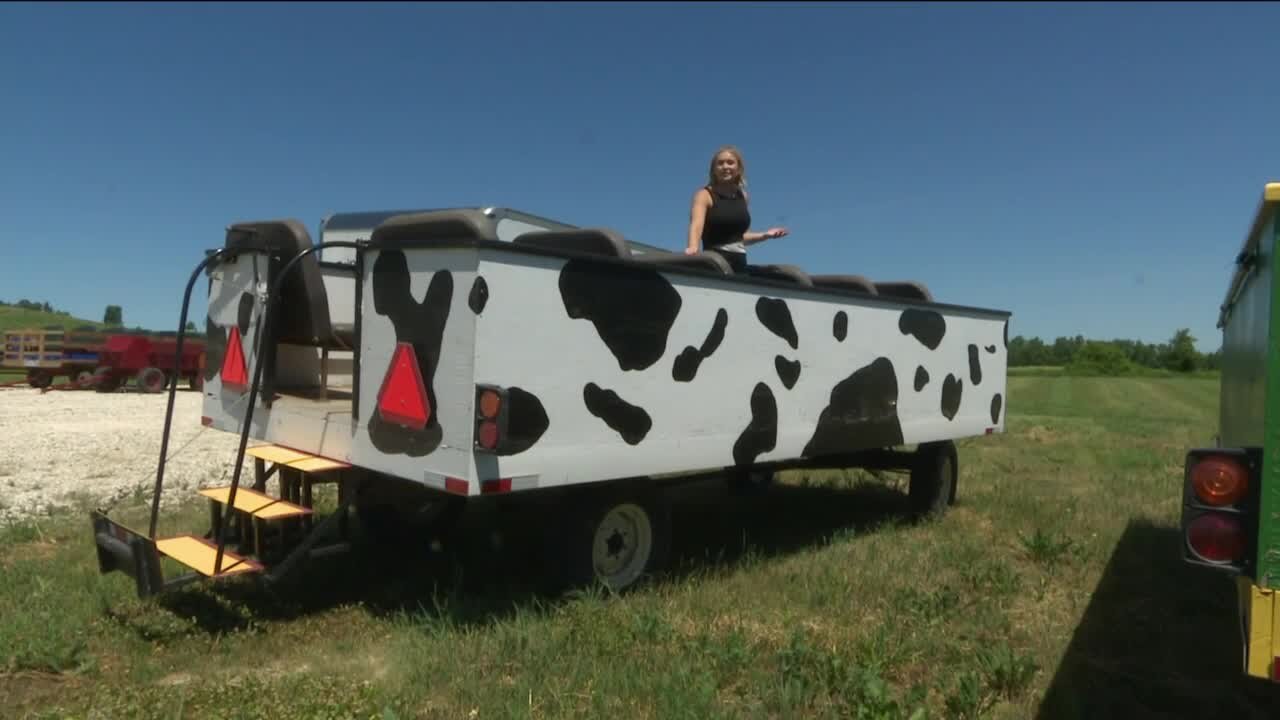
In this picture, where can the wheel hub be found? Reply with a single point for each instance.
(623, 543)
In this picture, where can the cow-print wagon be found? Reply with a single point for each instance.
(427, 361)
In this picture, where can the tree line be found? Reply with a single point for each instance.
(26, 304)
(1178, 354)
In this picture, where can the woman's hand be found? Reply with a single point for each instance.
(775, 232)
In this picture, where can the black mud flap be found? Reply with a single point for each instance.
(132, 553)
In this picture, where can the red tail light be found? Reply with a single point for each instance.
(491, 417)
(1217, 538)
(403, 396)
(1219, 481)
(235, 373)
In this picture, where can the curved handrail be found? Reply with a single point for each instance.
(173, 385)
(273, 291)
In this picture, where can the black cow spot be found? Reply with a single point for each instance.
(862, 413)
(952, 388)
(975, 365)
(422, 326)
(1006, 333)
(922, 378)
(996, 402)
(991, 349)
(526, 421)
(840, 326)
(685, 368)
(629, 421)
(244, 313)
(686, 365)
(776, 316)
(927, 326)
(632, 308)
(479, 295)
(761, 433)
(215, 348)
(788, 370)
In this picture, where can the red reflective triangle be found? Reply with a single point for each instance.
(403, 396)
(235, 376)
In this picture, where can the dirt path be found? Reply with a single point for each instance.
(60, 449)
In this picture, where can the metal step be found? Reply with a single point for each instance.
(199, 554)
(256, 504)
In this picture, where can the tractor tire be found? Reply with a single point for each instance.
(39, 379)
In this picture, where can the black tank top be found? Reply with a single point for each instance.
(727, 218)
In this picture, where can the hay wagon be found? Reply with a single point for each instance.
(45, 354)
(427, 362)
(105, 361)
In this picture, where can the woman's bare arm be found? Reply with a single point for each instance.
(697, 216)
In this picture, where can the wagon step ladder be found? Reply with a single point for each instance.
(254, 510)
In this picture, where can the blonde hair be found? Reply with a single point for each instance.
(742, 166)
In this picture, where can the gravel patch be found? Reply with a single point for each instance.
(65, 450)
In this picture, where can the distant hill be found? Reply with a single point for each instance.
(13, 318)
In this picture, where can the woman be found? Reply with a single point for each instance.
(720, 220)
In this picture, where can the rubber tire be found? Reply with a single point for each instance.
(570, 556)
(934, 474)
(152, 380)
(39, 379)
(107, 380)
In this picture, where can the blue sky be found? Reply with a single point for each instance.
(1091, 168)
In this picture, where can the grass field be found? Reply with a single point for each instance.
(13, 318)
(1053, 589)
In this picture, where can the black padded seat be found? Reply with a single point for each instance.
(856, 283)
(590, 241)
(786, 273)
(712, 262)
(302, 305)
(904, 289)
(438, 225)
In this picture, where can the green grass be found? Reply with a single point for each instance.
(14, 318)
(1053, 589)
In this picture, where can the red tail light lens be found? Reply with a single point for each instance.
(488, 434)
(1217, 537)
(491, 417)
(490, 404)
(1219, 481)
(235, 373)
(403, 397)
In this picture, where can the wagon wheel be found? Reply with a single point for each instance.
(934, 473)
(616, 536)
(151, 380)
(106, 381)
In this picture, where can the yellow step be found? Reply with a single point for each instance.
(255, 503)
(296, 459)
(199, 554)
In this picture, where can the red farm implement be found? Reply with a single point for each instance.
(148, 361)
(104, 361)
